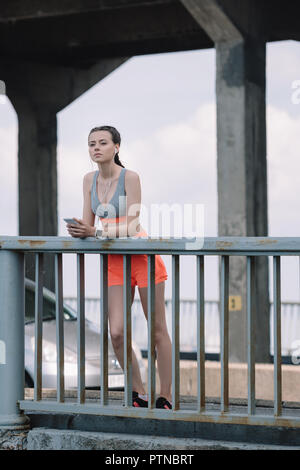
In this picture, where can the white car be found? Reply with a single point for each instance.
(92, 347)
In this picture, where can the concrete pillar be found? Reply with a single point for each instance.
(12, 319)
(241, 148)
(37, 166)
(242, 179)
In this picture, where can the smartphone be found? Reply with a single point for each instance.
(70, 221)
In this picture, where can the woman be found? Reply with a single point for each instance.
(118, 189)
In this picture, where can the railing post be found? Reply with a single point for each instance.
(104, 329)
(80, 329)
(127, 330)
(200, 335)
(59, 328)
(251, 333)
(277, 336)
(175, 333)
(224, 333)
(39, 266)
(12, 308)
(151, 331)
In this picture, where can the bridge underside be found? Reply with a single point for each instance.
(79, 34)
(53, 53)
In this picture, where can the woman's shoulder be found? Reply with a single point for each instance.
(88, 179)
(89, 175)
(132, 180)
(131, 175)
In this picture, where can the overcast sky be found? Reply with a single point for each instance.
(164, 107)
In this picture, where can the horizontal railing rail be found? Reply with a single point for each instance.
(252, 246)
(12, 262)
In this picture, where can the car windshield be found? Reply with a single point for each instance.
(48, 308)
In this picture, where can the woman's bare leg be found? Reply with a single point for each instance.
(116, 325)
(162, 338)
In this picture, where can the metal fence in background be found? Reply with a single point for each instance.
(188, 322)
(290, 324)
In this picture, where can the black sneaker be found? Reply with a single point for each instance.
(138, 402)
(162, 402)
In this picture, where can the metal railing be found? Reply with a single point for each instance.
(12, 403)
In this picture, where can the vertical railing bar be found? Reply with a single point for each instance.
(59, 327)
(151, 331)
(224, 332)
(80, 329)
(251, 333)
(200, 334)
(39, 266)
(127, 330)
(277, 336)
(104, 328)
(175, 332)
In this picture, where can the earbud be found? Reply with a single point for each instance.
(116, 150)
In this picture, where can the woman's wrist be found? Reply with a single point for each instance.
(92, 232)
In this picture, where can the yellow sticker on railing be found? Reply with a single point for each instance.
(235, 302)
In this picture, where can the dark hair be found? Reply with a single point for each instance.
(116, 138)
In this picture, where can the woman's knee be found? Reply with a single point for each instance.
(117, 337)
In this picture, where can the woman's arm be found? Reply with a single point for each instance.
(85, 226)
(131, 226)
(88, 215)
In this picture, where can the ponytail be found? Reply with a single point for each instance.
(117, 160)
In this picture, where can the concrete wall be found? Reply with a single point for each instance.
(264, 384)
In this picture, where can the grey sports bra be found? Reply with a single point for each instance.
(116, 207)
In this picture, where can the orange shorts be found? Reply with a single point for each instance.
(139, 268)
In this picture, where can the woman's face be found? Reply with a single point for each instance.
(101, 146)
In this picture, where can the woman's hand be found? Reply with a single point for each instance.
(80, 230)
